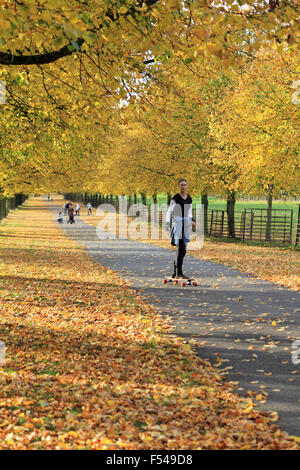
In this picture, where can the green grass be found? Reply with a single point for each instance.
(217, 203)
(214, 203)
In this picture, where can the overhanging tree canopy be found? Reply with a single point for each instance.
(68, 65)
(44, 31)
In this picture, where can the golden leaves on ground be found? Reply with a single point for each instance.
(281, 266)
(90, 365)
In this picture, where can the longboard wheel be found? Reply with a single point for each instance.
(165, 281)
(182, 284)
(176, 282)
(195, 283)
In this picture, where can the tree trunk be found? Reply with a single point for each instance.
(144, 198)
(269, 212)
(204, 201)
(230, 213)
(154, 210)
(117, 203)
(169, 198)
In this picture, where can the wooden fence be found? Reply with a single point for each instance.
(254, 224)
(250, 224)
(297, 238)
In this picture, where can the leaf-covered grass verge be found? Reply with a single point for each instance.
(90, 365)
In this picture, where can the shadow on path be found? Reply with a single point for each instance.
(250, 323)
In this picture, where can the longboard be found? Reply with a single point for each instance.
(190, 281)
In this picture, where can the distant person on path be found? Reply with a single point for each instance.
(48, 197)
(89, 208)
(60, 217)
(71, 214)
(181, 206)
(77, 208)
(66, 206)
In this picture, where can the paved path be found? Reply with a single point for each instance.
(228, 313)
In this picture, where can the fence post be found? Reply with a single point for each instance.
(222, 224)
(284, 226)
(211, 222)
(298, 228)
(251, 224)
(291, 226)
(244, 224)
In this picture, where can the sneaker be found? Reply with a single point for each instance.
(182, 276)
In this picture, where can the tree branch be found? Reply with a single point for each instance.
(37, 59)
(7, 58)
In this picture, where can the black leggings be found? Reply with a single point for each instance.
(180, 254)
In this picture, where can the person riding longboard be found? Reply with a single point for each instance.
(181, 206)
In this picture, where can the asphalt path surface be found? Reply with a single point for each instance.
(250, 323)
